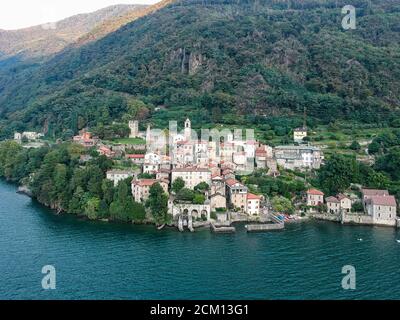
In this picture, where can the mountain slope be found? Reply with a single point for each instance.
(39, 41)
(222, 62)
(115, 23)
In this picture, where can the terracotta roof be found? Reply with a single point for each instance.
(332, 199)
(383, 201)
(135, 156)
(251, 196)
(374, 192)
(261, 151)
(145, 182)
(315, 192)
(231, 182)
(190, 170)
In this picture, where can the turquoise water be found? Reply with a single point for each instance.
(109, 261)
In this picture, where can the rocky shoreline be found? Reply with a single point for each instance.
(25, 190)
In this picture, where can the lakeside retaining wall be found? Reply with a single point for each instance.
(356, 218)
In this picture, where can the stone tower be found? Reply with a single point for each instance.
(134, 126)
(148, 136)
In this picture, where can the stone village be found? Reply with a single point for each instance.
(212, 163)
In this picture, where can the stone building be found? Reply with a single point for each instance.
(299, 157)
(217, 201)
(368, 193)
(134, 126)
(382, 209)
(141, 188)
(236, 194)
(340, 203)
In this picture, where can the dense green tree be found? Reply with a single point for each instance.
(338, 173)
(202, 187)
(92, 208)
(178, 185)
(107, 188)
(282, 205)
(185, 194)
(355, 146)
(390, 163)
(199, 198)
(158, 204)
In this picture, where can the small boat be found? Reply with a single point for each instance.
(398, 241)
(360, 239)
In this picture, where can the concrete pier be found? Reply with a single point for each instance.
(222, 229)
(265, 227)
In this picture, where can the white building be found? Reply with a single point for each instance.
(315, 198)
(192, 176)
(152, 158)
(253, 204)
(28, 135)
(299, 134)
(118, 175)
(150, 168)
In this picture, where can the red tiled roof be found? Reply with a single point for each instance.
(136, 156)
(145, 182)
(190, 170)
(374, 192)
(315, 192)
(231, 182)
(383, 201)
(251, 196)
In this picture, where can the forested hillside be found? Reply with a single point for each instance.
(228, 62)
(52, 37)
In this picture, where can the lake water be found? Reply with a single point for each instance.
(96, 260)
